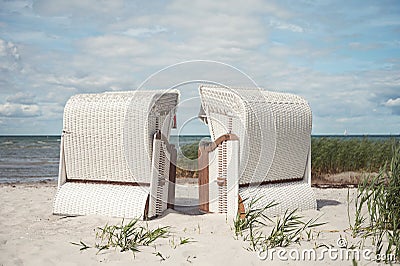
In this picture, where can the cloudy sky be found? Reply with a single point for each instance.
(342, 56)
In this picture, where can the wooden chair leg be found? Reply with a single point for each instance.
(241, 209)
(203, 179)
(172, 178)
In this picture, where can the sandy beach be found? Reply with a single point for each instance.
(31, 235)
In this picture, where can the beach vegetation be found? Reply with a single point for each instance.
(337, 155)
(182, 241)
(288, 228)
(126, 237)
(377, 214)
(190, 151)
(330, 155)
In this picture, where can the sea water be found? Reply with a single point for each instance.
(36, 158)
(29, 158)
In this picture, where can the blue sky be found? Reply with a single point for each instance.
(342, 56)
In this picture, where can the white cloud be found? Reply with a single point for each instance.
(281, 25)
(139, 32)
(19, 110)
(394, 106)
(9, 56)
(393, 102)
(21, 98)
(3, 48)
(16, 6)
(69, 47)
(214, 8)
(365, 46)
(77, 7)
(113, 46)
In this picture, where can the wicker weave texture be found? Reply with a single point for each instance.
(109, 136)
(224, 176)
(103, 199)
(293, 120)
(160, 181)
(274, 130)
(288, 195)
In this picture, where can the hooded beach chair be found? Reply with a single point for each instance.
(260, 151)
(115, 156)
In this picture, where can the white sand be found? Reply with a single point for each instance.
(31, 235)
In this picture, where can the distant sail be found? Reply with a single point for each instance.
(345, 132)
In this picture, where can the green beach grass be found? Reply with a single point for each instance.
(337, 155)
(330, 155)
(377, 204)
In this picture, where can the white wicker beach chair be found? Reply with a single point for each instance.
(261, 150)
(115, 157)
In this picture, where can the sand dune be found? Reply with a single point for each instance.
(31, 235)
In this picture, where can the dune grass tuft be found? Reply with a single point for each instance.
(288, 228)
(377, 215)
(126, 237)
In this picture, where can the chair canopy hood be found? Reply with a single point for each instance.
(109, 136)
(274, 130)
